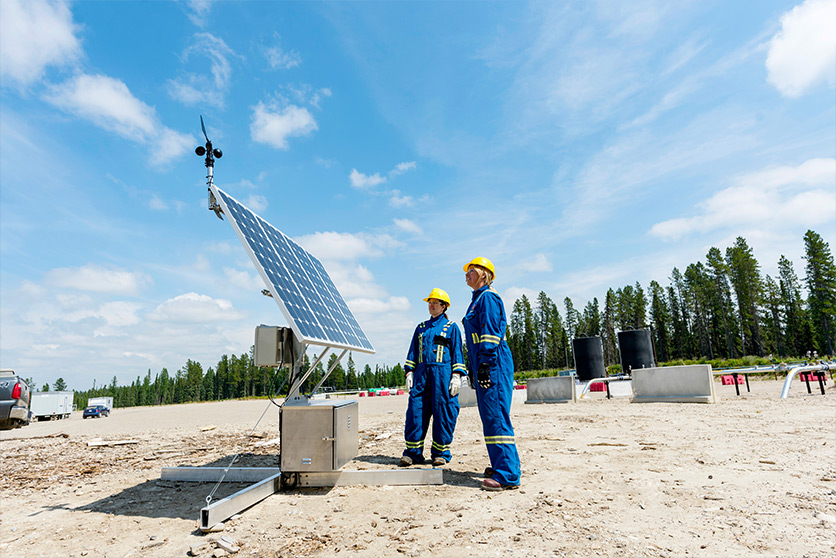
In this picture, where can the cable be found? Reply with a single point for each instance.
(235, 457)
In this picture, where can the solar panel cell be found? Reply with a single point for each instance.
(298, 281)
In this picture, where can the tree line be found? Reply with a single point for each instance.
(722, 308)
(236, 377)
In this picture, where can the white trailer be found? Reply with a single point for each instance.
(51, 405)
(106, 401)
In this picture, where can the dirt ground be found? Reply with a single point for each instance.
(753, 475)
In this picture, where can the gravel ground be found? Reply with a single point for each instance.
(753, 475)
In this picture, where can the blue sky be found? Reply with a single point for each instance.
(579, 145)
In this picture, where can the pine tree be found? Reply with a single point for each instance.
(681, 346)
(697, 285)
(660, 319)
(610, 338)
(821, 287)
(792, 309)
(773, 339)
(724, 330)
(541, 322)
(744, 272)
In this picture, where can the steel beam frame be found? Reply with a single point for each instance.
(268, 481)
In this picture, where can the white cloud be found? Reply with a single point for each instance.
(257, 202)
(539, 263)
(194, 308)
(196, 89)
(243, 280)
(198, 11)
(346, 246)
(279, 59)
(363, 181)
(378, 306)
(94, 278)
(169, 145)
(398, 200)
(157, 204)
(274, 126)
(401, 168)
(803, 53)
(109, 104)
(637, 160)
(786, 194)
(407, 226)
(35, 34)
(119, 313)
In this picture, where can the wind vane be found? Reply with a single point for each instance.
(211, 154)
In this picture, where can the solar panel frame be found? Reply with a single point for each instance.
(299, 283)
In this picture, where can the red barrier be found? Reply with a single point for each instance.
(598, 386)
(729, 380)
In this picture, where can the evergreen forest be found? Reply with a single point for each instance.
(722, 310)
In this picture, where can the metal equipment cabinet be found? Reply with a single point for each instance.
(319, 435)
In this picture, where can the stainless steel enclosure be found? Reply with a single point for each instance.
(318, 435)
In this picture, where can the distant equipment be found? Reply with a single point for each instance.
(589, 357)
(104, 401)
(636, 349)
(51, 405)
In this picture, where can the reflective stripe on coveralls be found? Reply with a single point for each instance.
(430, 396)
(485, 326)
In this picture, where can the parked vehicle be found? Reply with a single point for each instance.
(105, 401)
(96, 411)
(51, 405)
(14, 400)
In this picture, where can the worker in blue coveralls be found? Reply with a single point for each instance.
(492, 371)
(434, 368)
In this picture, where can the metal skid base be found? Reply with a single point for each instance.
(270, 480)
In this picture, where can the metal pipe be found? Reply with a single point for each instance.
(294, 389)
(606, 380)
(794, 371)
(331, 369)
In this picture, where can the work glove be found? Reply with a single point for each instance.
(483, 376)
(409, 381)
(455, 384)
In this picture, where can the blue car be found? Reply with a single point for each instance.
(96, 411)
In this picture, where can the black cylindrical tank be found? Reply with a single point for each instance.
(636, 348)
(589, 357)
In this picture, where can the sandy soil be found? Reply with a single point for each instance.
(753, 475)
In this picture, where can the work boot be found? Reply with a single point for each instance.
(494, 486)
(406, 461)
(439, 461)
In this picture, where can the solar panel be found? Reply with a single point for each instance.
(301, 287)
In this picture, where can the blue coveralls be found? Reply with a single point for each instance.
(434, 354)
(484, 331)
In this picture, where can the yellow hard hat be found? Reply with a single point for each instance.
(481, 262)
(438, 294)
